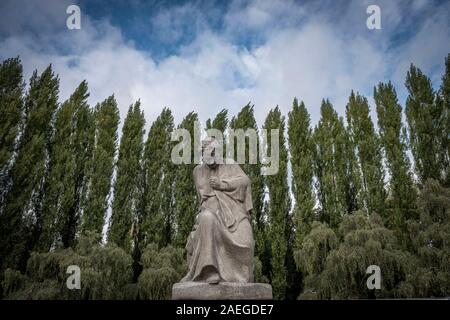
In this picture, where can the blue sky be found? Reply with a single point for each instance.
(206, 55)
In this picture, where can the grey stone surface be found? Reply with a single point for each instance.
(220, 248)
(221, 291)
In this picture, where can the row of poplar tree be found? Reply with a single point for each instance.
(354, 198)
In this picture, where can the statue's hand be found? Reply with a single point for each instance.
(215, 183)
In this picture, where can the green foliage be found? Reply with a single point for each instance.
(426, 126)
(431, 241)
(366, 148)
(220, 122)
(315, 248)
(127, 184)
(20, 219)
(13, 281)
(244, 120)
(157, 202)
(258, 274)
(443, 103)
(66, 181)
(301, 151)
(311, 257)
(337, 269)
(402, 194)
(161, 269)
(101, 166)
(331, 165)
(184, 191)
(105, 273)
(365, 242)
(11, 104)
(279, 218)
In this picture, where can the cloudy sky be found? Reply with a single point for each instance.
(206, 55)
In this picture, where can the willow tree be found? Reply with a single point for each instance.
(279, 217)
(162, 267)
(101, 166)
(336, 263)
(430, 235)
(365, 242)
(105, 273)
(312, 255)
(20, 218)
(127, 183)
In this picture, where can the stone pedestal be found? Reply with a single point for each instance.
(221, 291)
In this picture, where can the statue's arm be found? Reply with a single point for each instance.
(236, 179)
(230, 184)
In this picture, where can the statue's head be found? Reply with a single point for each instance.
(209, 149)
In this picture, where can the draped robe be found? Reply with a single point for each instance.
(221, 240)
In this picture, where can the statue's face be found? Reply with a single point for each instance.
(209, 157)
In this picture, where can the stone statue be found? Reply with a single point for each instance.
(220, 247)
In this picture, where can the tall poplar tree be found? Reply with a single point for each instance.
(393, 139)
(330, 165)
(425, 125)
(157, 207)
(70, 151)
(20, 216)
(101, 165)
(368, 153)
(220, 122)
(185, 192)
(280, 225)
(244, 120)
(128, 176)
(301, 155)
(444, 99)
(11, 111)
(11, 108)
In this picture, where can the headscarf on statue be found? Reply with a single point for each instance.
(234, 195)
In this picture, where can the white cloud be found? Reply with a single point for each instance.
(317, 59)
